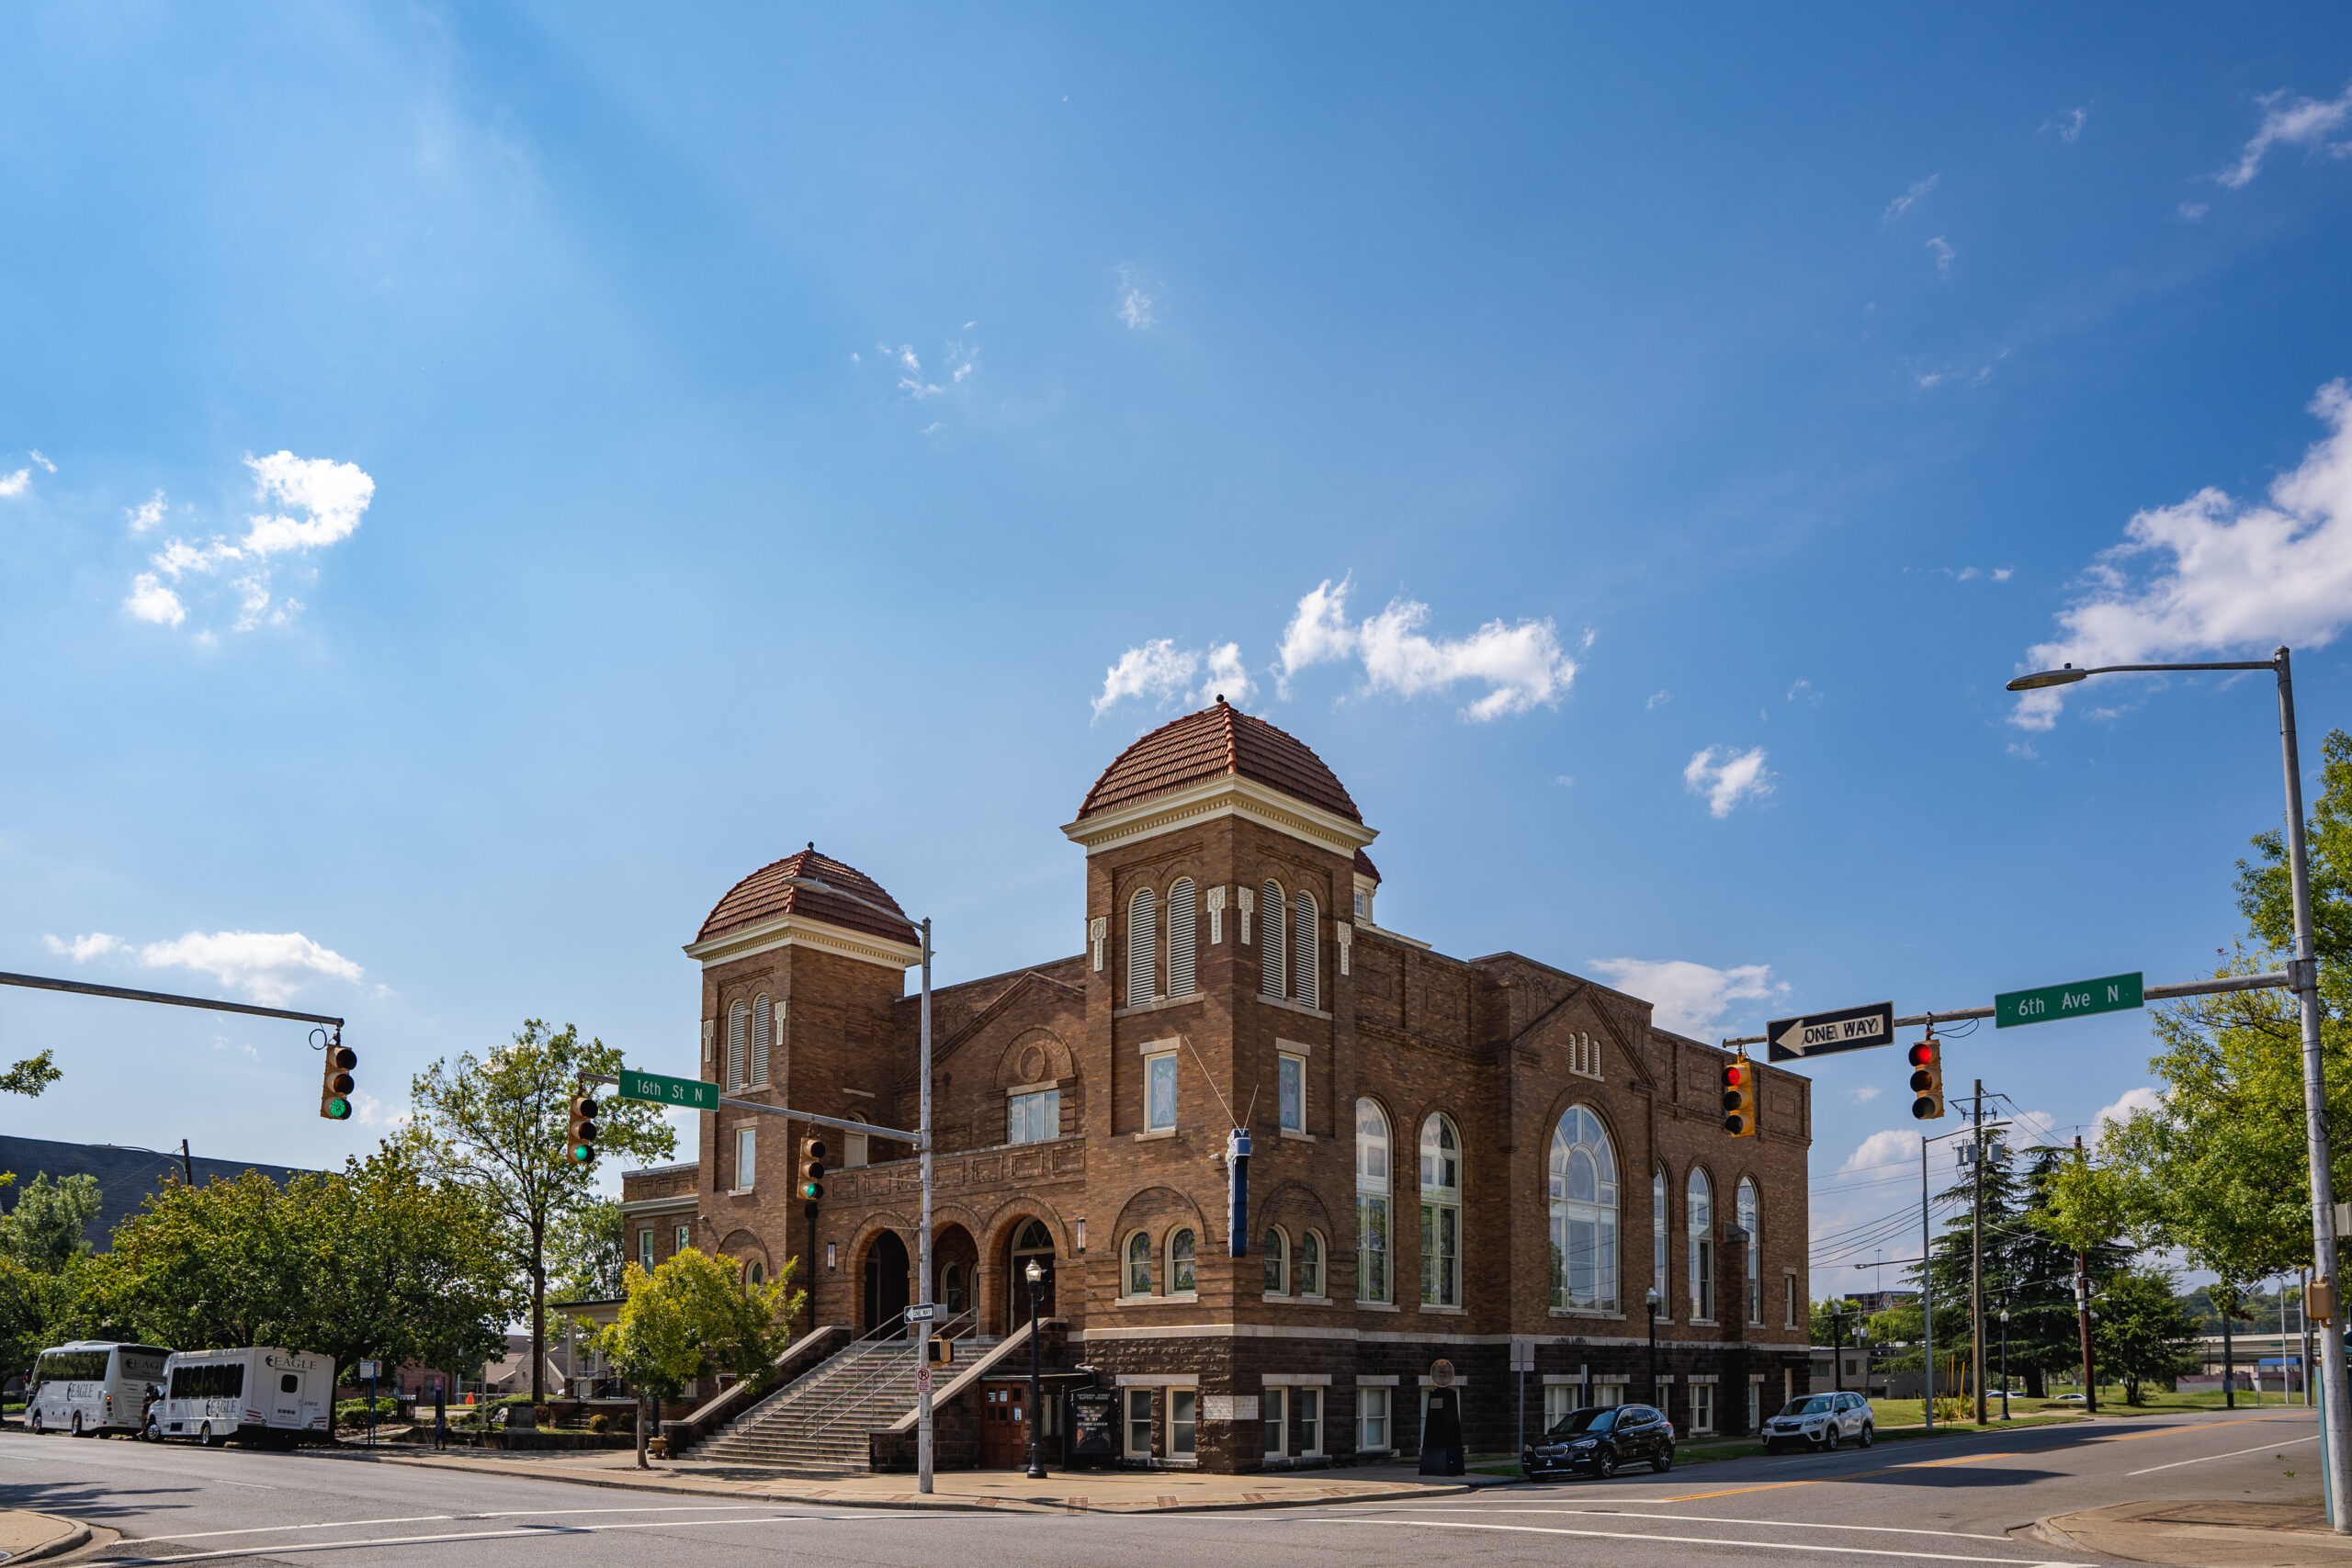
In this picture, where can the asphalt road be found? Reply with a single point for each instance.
(1917, 1501)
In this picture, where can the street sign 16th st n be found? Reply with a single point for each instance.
(1817, 1034)
(2116, 993)
(691, 1094)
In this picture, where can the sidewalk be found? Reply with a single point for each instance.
(1084, 1491)
(2220, 1534)
(29, 1538)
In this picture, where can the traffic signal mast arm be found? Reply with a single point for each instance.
(84, 988)
(2272, 980)
(895, 1134)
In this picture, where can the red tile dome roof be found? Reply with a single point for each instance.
(765, 894)
(1217, 740)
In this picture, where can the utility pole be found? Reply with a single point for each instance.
(1927, 1299)
(1976, 1266)
(187, 1166)
(2082, 1316)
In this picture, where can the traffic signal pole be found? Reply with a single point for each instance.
(1977, 1264)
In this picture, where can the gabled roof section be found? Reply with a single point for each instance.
(1220, 739)
(766, 893)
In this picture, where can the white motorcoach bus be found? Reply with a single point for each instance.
(259, 1394)
(92, 1387)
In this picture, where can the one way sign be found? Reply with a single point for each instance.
(1817, 1034)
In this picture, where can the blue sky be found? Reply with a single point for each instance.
(476, 482)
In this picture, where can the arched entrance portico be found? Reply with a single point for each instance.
(887, 1280)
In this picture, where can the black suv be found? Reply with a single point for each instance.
(1601, 1438)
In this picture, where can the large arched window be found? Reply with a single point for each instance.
(1304, 949)
(1373, 1283)
(1657, 1241)
(1700, 1202)
(1441, 1213)
(762, 1031)
(739, 1044)
(1584, 1213)
(1744, 1206)
(1143, 947)
(1271, 926)
(1139, 1263)
(1182, 932)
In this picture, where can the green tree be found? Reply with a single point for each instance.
(587, 1249)
(45, 1230)
(30, 1076)
(497, 1124)
(694, 1315)
(2044, 1334)
(2143, 1331)
(2264, 895)
(651, 1343)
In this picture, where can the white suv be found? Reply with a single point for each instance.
(1821, 1421)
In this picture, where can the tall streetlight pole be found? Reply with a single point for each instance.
(1651, 1299)
(922, 1336)
(2302, 979)
(1036, 1400)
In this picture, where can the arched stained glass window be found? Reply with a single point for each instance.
(1584, 1213)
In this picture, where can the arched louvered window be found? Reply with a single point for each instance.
(762, 1031)
(1270, 941)
(1143, 947)
(1180, 937)
(1304, 947)
(738, 1042)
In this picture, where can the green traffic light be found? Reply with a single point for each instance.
(583, 1154)
(338, 1109)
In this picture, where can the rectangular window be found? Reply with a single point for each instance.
(1159, 1092)
(1703, 1407)
(1608, 1396)
(1371, 1417)
(1138, 1423)
(854, 1150)
(747, 1157)
(1703, 1277)
(1034, 1118)
(1559, 1398)
(684, 1238)
(1755, 1406)
(1372, 1248)
(1310, 1422)
(1788, 1301)
(1183, 1406)
(1293, 1093)
(1277, 1422)
(645, 1249)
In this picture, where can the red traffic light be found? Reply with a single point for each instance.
(1923, 1054)
(1734, 1073)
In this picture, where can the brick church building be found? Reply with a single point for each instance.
(1487, 1161)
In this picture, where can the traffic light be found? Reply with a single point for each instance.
(942, 1353)
(1739, 1097)
(580, 1142)
(336, 1083)
(1928, 1080)
(812, 1168)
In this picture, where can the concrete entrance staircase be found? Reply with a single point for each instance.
(817, 1423)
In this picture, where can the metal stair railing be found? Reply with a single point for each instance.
(817, 1379)
(858, 1398)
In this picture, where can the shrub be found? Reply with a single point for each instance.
(354, 1412)
(599, 1422)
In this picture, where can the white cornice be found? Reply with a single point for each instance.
(799, 930)
(1228, 794)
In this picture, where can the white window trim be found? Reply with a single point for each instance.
(745, 1136)
(1284, 1054)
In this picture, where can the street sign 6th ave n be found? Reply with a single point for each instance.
(2116, 993)
(1818, 1033)
(662, 1090)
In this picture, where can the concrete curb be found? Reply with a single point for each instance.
(950, 1505)
(72, 1536)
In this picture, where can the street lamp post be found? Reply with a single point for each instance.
(1036, 1408)
(1838, 1345)
(1862, 1343)
(2004, 1363)
(2302, 979)
(1650, 1299)
(922, 1334)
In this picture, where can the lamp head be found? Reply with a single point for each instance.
(2066, 675)
(1035, 1274)
(2005, 1314)
(1649, 1298)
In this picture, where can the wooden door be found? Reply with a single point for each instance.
(1004, 1426)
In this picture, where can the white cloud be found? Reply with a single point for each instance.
(1896, 1143)
(371, 1111)
(1657, 699)
(315, 502)
(1943, 254)
(2192, 212)
(151, 600)
(1865, 1094)
(1522, 665)
(2299, 122)
(2221, 575)
(2069, 126)
(1727, 777)
(1135, 305)
(16, 483)
(267, 965)
(1687, 998)
(2023, 749)
(1909, 198)
(2142, 1098)
(36, 456)
(82, 949)
(1160, 671)
(960, 361)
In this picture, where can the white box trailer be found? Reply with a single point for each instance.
(258, 1395)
